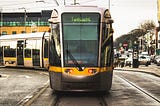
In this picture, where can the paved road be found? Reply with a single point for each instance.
(123, 93)
(18, 85)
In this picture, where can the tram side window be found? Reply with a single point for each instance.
(28, 48)
(36, 49)
(46, 49)
(106, 56)
(54, 48)
(35, 53)
(9, 52)
(27, 53)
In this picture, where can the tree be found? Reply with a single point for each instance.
(134, 34)
(147, 25)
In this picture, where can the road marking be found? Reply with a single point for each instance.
(4, 76)
(25, 76)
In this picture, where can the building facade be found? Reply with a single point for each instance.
(26, 22)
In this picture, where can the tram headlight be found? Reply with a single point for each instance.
(92, 71)
(69, 71)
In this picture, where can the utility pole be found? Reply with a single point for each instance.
(64, 2)
(74, 2)
(109, 4)
(25, 18)
(1, 20)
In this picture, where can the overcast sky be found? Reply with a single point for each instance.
(127, 14)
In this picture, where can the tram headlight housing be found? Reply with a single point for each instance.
(69, 71)
(92, 71)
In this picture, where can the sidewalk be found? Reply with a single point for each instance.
(155, 70)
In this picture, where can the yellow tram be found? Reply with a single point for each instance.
(81, 49)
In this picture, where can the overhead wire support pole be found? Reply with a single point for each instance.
(56, 2)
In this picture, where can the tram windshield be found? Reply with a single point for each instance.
(80, 36)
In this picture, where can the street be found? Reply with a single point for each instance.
(17, 85)
(26, 87)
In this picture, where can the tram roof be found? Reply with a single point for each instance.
(24, 36)
(80, 8)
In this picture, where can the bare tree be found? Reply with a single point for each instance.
(147, 25)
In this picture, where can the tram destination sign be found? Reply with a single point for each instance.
(80, 18)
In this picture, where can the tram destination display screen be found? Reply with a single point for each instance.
(80, 18)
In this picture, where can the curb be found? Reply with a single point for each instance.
(137, 70)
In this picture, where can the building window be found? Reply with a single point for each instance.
(34, 31)
(14, 32)
(23, 31)
(4, 32)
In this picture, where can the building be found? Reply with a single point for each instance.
(24, 22)
(147, 43)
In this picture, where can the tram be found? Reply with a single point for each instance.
(25, 50)
(81, 49)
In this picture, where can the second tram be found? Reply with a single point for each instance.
(81, 49)
(25, 50)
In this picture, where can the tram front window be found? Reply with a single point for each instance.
(80, 36)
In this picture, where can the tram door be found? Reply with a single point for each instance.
(1, 56)
(20, 57)
(36, 57)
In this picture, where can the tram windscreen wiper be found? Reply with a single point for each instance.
(74, 60)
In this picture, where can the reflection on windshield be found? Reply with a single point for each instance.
(83, 56)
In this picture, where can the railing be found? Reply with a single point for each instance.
(12, 23)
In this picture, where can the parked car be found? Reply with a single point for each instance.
(145, 54)
(157, 59)
(128, 61)
(144, 60)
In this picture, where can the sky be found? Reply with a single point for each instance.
(127, 14)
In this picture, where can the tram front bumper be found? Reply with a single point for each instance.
(99, 82)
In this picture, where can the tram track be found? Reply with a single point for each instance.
(56, 100)
(29, 99)
(102, 101)
(61, 100)
(139, 88)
